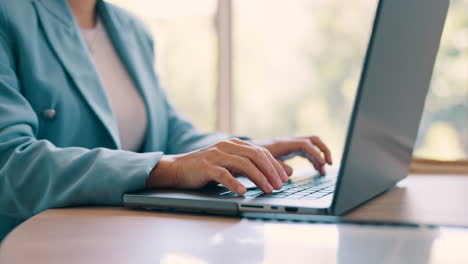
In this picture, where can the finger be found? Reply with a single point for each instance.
(245, 165)
(325, 150)
(313, 156)
(223, 176)
(279, 169)
(288, 169)
(306, 149)
(257, 157)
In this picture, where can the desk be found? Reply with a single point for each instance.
(423, 199)
(118, 235)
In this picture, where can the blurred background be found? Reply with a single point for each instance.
(295, 68)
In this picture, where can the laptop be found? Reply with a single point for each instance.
(381, 134)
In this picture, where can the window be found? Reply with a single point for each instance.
(297, 66)
(292, 68)
(443, 133)
(186, 53)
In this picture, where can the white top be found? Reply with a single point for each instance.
(126, 102)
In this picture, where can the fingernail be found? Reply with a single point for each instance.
(268, 188)
(278, 183)
(284, 176)
(241, 189)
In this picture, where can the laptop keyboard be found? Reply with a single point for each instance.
(307, 189)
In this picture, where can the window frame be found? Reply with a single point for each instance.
(224, 93)
(430, 166)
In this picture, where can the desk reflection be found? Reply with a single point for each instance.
(250, 241)
(121, 236)
(385, 245)
(233, 243)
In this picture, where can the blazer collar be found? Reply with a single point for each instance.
(61, 11)
(65, 38)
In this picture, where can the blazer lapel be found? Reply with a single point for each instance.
(65, 39)
(139, 65)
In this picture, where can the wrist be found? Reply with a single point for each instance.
(164, 173)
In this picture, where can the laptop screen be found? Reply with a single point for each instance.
(390, 99)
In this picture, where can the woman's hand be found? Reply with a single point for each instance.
(220, 162)
(311, 148)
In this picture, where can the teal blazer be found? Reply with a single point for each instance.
(59, 142)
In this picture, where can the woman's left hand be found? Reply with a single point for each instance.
(311, 148)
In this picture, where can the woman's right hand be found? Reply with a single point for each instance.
(220, 162)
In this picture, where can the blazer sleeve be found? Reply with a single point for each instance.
(36, 175)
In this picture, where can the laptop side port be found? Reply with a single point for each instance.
(290, 209)
(251, 206)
